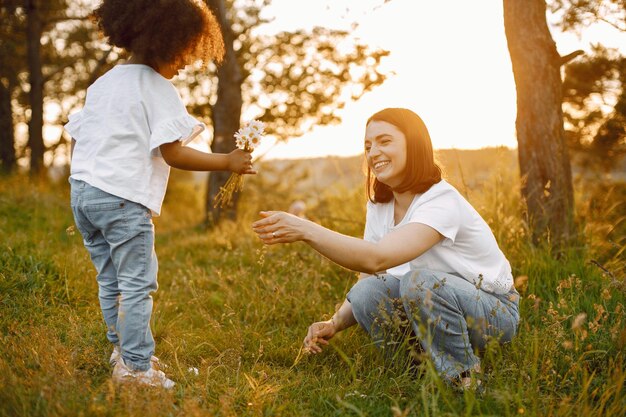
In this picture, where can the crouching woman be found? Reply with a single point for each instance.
(426, 254)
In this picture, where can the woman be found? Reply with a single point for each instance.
(425, 252)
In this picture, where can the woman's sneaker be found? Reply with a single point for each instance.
(116, 355)
(152, 377)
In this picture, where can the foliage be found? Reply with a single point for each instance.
(290, 80)
(575, 15)
(593, 89)
(72, 56)
(306, 77)
(239, 312)
(12, 42)
(595, 107)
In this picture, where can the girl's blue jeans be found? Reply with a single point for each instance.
(119, 236)
(451, 317)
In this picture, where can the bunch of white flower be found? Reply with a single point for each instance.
(247, 138)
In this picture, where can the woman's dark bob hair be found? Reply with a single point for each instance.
(421, 171)
(162, 31)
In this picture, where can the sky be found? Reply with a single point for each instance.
(451, 66)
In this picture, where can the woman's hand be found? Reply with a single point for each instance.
(240, 161)
(280, 227)
(319, 334)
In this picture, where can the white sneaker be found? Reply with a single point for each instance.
(116, 355)
(152, 377)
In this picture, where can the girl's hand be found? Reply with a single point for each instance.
(319, 334)
(280, 227)
(240, 162)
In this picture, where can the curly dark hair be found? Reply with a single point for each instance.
(162, 31)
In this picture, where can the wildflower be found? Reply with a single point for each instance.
(247, 138)
(601, 313)
(256, 126)
(536, 300)
(579, 321)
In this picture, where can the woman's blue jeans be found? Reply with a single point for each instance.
(451, 317)
(119, 236)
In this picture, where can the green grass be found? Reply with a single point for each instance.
(238, 313)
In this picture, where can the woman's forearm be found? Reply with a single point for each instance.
(343, 318)
(347, 251)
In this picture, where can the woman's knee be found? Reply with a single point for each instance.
(366, 296)
(420, 292)
(362, 292)
(417, 282)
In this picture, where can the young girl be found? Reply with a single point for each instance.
(130, 131)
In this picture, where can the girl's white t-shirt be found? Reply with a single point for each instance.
(129, 112)
(468, 248)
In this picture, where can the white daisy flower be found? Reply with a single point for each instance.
(257, 126)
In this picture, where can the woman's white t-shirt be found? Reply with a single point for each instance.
(468, 248)
(129, 112)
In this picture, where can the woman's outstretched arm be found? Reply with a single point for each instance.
(398, 247)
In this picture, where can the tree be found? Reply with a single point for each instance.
(78, 58)
(11, 45)
(35, 80)
(50, 52)
(594, 87)
(291, 80)
(542, 149)
(595, 108)
(227, 109)
(7, 139)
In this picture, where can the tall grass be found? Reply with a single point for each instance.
(238, 313)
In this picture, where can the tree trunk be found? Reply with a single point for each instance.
(543, 157)
(226, 114)
(35, 125)
(7, 139)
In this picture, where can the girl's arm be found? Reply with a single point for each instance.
(182, 157)
(398, 247)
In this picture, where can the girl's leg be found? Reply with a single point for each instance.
(99, 251)
(119, 234)
(108, 291)
(376, 307)
(135, 260)
(453, 318)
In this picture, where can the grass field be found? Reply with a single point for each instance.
(238, 313)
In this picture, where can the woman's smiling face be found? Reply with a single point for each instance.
(385, 151)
